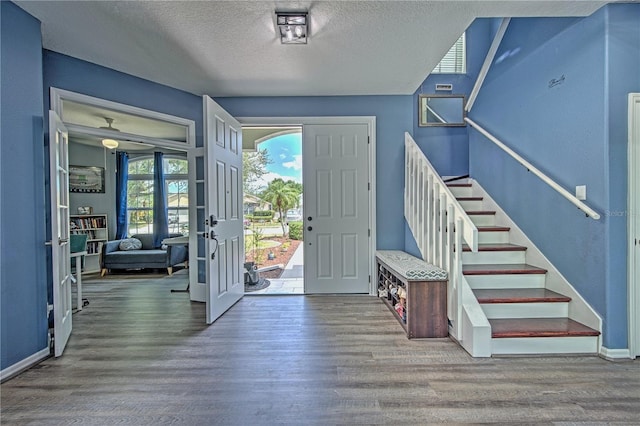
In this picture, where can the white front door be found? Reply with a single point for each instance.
(61, 262)
(223, 221)
(336, 208)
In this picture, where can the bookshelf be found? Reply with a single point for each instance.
(95, 226)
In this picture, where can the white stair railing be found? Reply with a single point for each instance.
(439, 224)
(530, 167)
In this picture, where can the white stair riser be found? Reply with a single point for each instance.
(506, 281)
(493, 237)
(545, 345)
(483, 219)
(460, 191)
(471, 205)
(525, 310)
(493, 257)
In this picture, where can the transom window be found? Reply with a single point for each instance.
(140, 194)
(454, 62)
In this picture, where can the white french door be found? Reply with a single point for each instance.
(61, 262)
(336, 208)
(223, 231)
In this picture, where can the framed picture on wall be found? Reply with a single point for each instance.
(86, 179)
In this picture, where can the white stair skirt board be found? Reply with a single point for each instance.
(482, 219)
(525, 310)
(505, 281)
(493, 258)
(545, 345)
(493, 237)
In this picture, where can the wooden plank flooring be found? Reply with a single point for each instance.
(142, 355)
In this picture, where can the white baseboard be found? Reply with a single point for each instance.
(24, 364)
(615, 354)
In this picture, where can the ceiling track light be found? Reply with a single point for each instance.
(292, 27)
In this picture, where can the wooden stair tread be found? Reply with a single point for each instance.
(481, 212)
(469, 198)
(519, 295)
(459, 185)
(496, 247)
(490, 269)
(492, 228)
(539, 327)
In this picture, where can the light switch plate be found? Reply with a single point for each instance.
(581, 192)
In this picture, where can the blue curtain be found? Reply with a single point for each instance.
(122, 176)
(160, 214)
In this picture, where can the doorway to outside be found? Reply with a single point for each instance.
(273, 210)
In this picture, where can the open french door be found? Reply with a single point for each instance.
(223, 231)
(61, 262)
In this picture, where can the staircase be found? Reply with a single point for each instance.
(525, 316)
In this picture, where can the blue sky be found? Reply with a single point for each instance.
(286, 156)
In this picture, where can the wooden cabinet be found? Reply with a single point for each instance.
(95, 227)
(424, 312)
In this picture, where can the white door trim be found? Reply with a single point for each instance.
(370, 121)
(633, 223)
(58, 95)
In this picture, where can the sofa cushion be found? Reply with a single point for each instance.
(130, 244)
(146, 239)
(137, 256)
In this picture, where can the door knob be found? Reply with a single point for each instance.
(309, 228)
(309, 218)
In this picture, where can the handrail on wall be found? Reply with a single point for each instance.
(546, 179)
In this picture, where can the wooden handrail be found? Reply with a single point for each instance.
(546, 179)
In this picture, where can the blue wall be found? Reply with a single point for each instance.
(22, 264)
(66, 72)
(393, 118)
(547, 97)
(447, 148)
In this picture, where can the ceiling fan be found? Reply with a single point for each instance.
(109, 143)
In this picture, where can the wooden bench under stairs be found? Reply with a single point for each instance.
(525, 316)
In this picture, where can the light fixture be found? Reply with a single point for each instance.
(110, 143)
(293, 27)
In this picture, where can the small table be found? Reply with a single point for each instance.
(78, 279)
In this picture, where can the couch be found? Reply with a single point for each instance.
(112, 257)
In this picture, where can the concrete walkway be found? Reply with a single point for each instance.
(292, 279)
(295, 266)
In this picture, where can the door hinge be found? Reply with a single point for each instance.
(368, 140)
(369, 232)
(369, 279)
(369, 186)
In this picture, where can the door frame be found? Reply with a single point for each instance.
(57, 96)
(633, 225)
(370, 121)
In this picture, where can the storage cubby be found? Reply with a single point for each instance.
(424, 287)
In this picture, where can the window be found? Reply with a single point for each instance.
(454, 62)
(140, 195)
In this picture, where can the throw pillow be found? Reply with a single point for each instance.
(130, 244)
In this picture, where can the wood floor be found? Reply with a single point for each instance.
(142, 355)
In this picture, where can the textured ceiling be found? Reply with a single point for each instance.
(230, 48)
